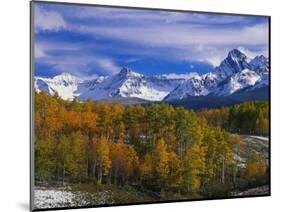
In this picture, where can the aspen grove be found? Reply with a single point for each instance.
(155, 147)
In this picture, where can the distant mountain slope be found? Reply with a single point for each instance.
(236, 73)
(201, 102)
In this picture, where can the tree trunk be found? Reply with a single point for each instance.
(100, 175)
(109, 177)
(234, 174)
(63, 171)
(223, 171)
(115, 175)
(94, 170)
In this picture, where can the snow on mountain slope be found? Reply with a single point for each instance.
(236, 82)
(196, 86)
(67, 86)
(211, 81)
(131, 84)
(192, 87)
(64, 85)
(87, 86)
(185, 76)
(262, 82)
(260, 64)
(123, 84)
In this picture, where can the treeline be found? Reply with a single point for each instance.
(245, 118)
(158, 147)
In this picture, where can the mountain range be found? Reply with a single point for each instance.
(237, 73)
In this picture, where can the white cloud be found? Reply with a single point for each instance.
(39, 51)
(146, 17)
(108, 65)
(179, 34)
(48, 20)
(213, 60)
(83, 65)
(252, 54)
(70, 60)
(184, 38)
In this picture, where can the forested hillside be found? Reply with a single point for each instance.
(246, 118)
(172, 152)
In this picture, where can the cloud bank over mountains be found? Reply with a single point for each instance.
(89, 41)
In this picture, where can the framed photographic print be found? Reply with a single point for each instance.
(138, 106)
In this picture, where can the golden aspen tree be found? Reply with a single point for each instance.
(103, 159)
(45, 162)
(193, 167)
(194, 161)
(210, 144)
(174, 170)
(160, 158)
(256, 166)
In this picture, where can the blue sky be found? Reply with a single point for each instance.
(90, 41)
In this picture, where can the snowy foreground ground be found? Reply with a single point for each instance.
(65, 197)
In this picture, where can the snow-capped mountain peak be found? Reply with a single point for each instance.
(235, 54)
(64, 85)
(66, 78)
(260, 64)
(129, 84)
(235, 62)
(236, 72)
(127, 73)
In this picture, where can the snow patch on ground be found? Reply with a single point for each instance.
(262, 190)
(65, 197)
(260, 137)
